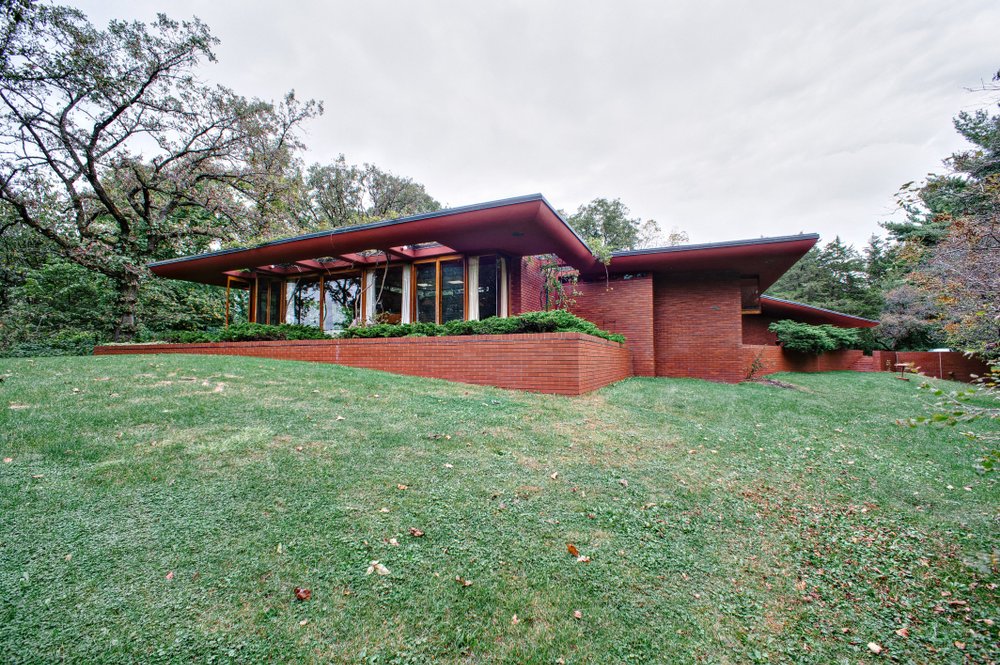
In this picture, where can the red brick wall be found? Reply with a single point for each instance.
(946, 365)
(562, 363)
(697, 326)
(526, 285)
(755, 329)
(623, 306)
(775, 359)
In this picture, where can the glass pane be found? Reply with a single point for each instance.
(343, 303)
(389, 295)
(260, 312)
(452, 291)
(239, 303)
(304, 302)
(274, 304)
(426, 290)
(489, 277)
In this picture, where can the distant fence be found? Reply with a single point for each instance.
(939, 364)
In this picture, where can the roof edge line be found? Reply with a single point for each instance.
(713, 245)
(820, 309)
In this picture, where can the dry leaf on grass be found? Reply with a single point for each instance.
(514, 620)
(875, 648)
(376, 567)
(402, 487)
(415, 532)
(302, 594)
(623, 482)
(583, 559)
(170, 575)
(577, 614)
(304, 622)
(393, 542)
(554, 475)
(903, 632)
(8, 460)
(571, 548)
(461, 580)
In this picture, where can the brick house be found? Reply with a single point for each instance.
(686, 311)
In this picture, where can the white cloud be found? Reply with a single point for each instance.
(728, 120)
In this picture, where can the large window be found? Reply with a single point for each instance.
(303, 302)
(267, 303)
(425, 279)
(488, 282)
(387, 292)
(342, 306)
(439, 292)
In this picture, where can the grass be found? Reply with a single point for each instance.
(724, 523)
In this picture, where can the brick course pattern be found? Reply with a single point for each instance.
(526, 283)
(755, 330)
(559, 363)
(697, 326)
(775, 359)
(942, 365)
(623, 306)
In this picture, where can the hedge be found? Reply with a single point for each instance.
(532, 322)
(805, 338)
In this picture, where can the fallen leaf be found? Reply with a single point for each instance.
(903, 632)
(583, 559)
(449, 466)
(959, 645)
(554, 475)
(340, 418)
(8, 460)
(623, 482)
(514, 620)
(383, 510)
(170, 575)
(38, 475)
(376, 567)
(577, 614)
(800, 585)
(416, 533)
(393, 542)
(461, 580)
(874, 648)
(68, 557)
(279, 548)
(571, 548)
(298, 449)
(402, 487)
(304, 622)
(302, 594)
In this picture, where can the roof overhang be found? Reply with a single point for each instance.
(787, 309)
(767, 258)
(521, 226)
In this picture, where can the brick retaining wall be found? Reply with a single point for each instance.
(561, 363)
(939, 364)
(775, 359)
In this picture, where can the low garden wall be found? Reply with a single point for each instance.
(939, 364)
(567, 363)
(773, 359)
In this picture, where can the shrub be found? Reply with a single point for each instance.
(245, 332)
(532, 322)
(806, 338)
(65, 343)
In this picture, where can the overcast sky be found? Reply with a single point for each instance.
(725, 119)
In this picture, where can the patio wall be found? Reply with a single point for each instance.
(561, 363)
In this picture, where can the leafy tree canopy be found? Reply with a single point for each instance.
(608, 225)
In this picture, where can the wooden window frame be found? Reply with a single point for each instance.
(229, 282)
(438, 260)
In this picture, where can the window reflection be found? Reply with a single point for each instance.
(343, 302)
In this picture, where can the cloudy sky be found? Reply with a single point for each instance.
(725, 119)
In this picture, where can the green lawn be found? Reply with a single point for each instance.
(164, 508)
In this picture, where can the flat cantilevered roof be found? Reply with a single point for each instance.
(768, 258)
(520, 226)
(780, 308)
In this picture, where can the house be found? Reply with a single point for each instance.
(690, 310)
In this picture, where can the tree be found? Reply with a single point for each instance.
(115, 153)
(951, 241)
(341, 194)
(835, 276)
(610, 223)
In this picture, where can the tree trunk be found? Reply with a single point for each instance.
(126, 305)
